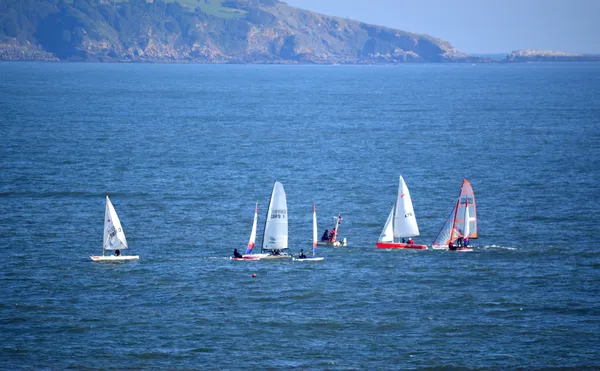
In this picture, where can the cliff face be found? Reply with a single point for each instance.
(205, 31)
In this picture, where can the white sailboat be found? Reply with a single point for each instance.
(114, 237)
(275, 236)
(314, 240)
(401, 223)
(248, 255)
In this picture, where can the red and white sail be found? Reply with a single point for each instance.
(462, 221)
(253, 233)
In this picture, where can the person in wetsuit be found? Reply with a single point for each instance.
(236, 254)
(325, 235)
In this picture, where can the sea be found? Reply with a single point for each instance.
(184, 151)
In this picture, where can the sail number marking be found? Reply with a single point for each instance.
(279, 214)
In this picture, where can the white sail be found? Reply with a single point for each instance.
(275, 236)
(253, 232)
(387, 234)
(446, 233)
(405, 222)
(114, 237)
(314, 236)
(466, 228)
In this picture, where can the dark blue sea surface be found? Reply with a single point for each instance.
(184, 151)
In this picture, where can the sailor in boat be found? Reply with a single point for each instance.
(410, 241)
(117, 252)
(466, 242)
(302, 256)
(236, 254)
(459, 242)
(276, 252)
(451, 246)
(332, 237)
(325, 236)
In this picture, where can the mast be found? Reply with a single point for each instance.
(106, 214)
(454, 219)
(338, 220)
(314, 229)
(466, 228)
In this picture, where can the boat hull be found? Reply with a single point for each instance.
(398, 245)
(112, 258)
(307, 259)
(326, 243)
(458, 249)
(282, 256)
(248, 257)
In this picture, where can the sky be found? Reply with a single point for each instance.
(481, 26)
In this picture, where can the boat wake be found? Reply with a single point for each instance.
(497, 247)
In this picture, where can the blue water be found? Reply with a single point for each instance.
(184, 151)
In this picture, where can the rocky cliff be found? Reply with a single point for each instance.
(203, 31)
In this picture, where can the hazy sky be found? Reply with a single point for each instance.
(481, 26)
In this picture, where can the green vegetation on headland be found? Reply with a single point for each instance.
(203, 31)
(211, 31)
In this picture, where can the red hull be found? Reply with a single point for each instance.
(394, 245)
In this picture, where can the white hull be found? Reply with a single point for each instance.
(334, 244)
(248, 258)
(269, 256)
(326, 243)
(112, 258)
(254, 256)
(308, 259)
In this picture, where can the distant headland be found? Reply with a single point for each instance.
(533, 55)
(204, 31)
(211, 31)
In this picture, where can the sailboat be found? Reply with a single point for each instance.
(336, 229)
(248, 254)
(275, 235)
(114, 237)
(462, 221)
(314, 240)
(401, 223)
